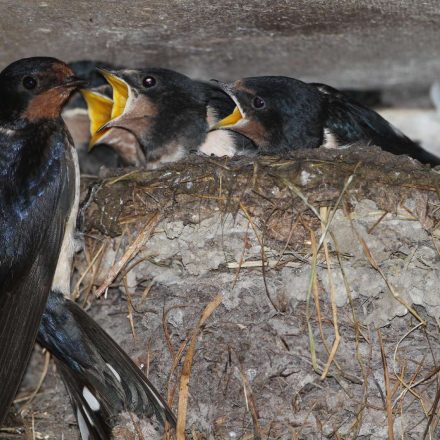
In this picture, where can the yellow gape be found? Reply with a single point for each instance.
(230, 120)
(120, 93)
(100, 112)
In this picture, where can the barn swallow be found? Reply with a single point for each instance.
(167, 113)
(281, 114)
(37, 194)
(101, 379)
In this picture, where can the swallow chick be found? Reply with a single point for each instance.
(279, 114)
(37, 194)
(167, 113)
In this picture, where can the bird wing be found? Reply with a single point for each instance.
(26, 276)
(350, 122)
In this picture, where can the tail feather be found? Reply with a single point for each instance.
(92, 426)
(103, 382)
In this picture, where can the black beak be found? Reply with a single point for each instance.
(74, 82)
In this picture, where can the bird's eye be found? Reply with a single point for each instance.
(149, 82)
(29, 82)
(258, 103)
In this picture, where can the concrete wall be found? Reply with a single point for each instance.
(353, 43)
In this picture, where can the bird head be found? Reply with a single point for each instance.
(276, 113)
(164, 110)
(35, 88)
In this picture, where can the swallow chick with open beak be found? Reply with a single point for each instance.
(167, 113)
(37, 195)
(280, 114)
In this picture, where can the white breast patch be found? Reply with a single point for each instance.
(219, 143)
(61, 279)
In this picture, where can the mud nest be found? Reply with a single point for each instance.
(298, 298)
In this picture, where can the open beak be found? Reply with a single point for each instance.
(120, 92)
(237, 114)
(100, 111)
(230, 120)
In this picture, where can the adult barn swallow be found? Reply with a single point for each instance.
(167, 113)
(37, 193)
(281, 114)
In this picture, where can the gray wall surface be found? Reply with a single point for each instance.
(350, 43)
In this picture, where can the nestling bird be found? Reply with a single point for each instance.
(280, 114)
(167, 114)
(37, 196)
